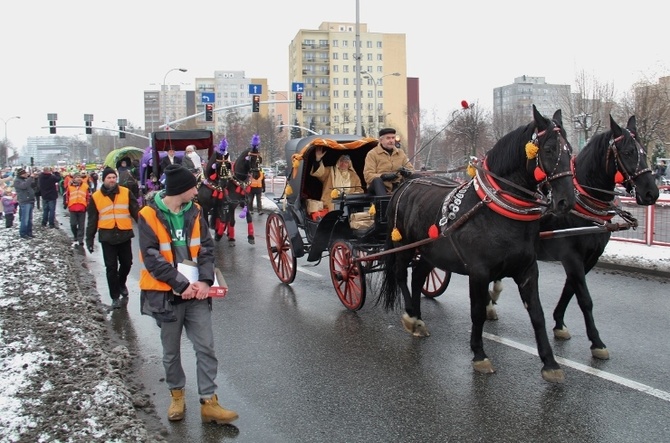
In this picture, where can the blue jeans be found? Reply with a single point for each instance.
(49, 213)
(26, 215)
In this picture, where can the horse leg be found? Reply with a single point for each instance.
(527, 283)
(494, 295)
(231, 225)
(412, 321)
(250, 229)
(479, 298)
(576, 284)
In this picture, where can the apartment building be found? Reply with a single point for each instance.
(326, 61)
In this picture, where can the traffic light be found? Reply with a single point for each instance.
(52, 122)
(256, 107)
(32, 161)
(88, 119)
(298, 101)
(209, 112)
(122, 122)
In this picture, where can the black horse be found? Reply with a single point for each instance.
(224, 189)
(609, 158)
(489, 229)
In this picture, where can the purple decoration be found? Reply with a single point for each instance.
(223, 146)
(255, 140)
(243, 213)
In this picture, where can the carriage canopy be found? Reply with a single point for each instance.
(301, 157)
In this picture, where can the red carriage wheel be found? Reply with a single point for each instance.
(436, 283)
(280, 249)
(347, 276)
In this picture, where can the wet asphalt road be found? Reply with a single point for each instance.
(298, 367)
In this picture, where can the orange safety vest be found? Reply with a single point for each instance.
(147, 281)
(77, 195)
(114, 213)
(257, 182)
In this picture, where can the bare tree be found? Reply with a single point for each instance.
(650, 103)
(587, 108)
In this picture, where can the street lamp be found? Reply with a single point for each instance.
(4, 162)
(114, 127)
(167, 120)
(5, 122)
(374, 84)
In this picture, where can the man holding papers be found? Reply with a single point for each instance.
(172, 230)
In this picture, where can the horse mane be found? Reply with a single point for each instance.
(589, 161)
(504, 161)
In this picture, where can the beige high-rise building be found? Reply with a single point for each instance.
(325, 61)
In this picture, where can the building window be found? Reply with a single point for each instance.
(379, 44)
(336, 56)
(345, 43)
(346, 93)
(345, 56)
(379, 57)
(335, 44)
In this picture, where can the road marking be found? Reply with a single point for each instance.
(663, 395)
(300, 269)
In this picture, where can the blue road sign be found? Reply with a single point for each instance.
(255, 89)
(297, 87)
(208, 97)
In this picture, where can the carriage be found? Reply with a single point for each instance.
(352, 235)
(161, 142)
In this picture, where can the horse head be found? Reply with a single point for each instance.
(248, 164)
(627, 163)
(535, 157)
(549, 157)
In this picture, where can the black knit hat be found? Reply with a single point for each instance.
(178, 180)
(107, 171)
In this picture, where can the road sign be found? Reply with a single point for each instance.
(255, 89)
(297, 87)
(208, 97)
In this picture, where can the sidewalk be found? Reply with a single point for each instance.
(653, 260)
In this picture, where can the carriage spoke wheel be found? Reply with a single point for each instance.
(436, 283)
(280, 249)
(347, 276)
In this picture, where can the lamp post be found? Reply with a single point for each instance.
(374, 84)
(167, 120)
(5, 148)
(106, 121)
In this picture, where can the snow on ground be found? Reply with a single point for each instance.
(62, 376)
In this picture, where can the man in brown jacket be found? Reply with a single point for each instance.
(386, 166)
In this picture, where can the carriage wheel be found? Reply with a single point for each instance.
(436, 283)
(280, 250)
(348, 276)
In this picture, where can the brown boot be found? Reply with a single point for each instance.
(212, 412)
(177, 406)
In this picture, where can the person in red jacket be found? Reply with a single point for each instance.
(76, 198)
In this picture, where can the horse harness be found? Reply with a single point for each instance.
(488, 190)
(601, 212)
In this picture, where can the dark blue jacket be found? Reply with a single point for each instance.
(48, 184)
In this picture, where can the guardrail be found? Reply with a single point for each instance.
(653, 221)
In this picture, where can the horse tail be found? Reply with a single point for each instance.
(389, 291)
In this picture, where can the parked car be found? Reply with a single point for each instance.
(269, 172)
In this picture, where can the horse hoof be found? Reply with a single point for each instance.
(562, 334)
(600, 353)
(252, 241)
(414, 326)
(553, 375)
(483, 366)
(217, 237)
(491, 313)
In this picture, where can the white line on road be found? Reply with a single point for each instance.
(663, 395)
